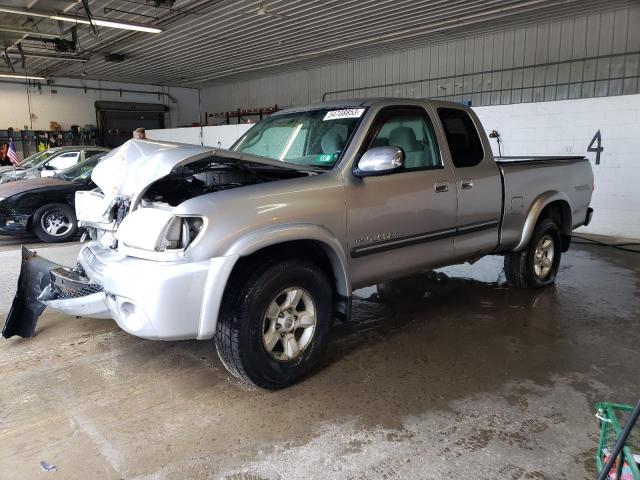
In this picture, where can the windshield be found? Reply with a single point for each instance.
(37, 159)
(81, 171)
(313, 137)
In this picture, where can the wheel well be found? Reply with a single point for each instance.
(560, 212)
(317, 252)
(29, 224)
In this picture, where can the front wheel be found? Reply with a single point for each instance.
(274, 326)
(536, 265)
(55, 223)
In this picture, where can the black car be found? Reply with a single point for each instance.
(45, 206)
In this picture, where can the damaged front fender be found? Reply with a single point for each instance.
(42, 284)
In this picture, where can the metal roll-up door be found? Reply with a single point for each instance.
(117, 120)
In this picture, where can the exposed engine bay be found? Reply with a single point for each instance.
(212, 175)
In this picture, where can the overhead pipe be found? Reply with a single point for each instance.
(26, 31)
(18, 43)
(52, 56)
(103, 89)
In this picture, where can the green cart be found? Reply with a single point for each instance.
(620, 439)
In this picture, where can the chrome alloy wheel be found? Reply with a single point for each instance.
(56, 223)
(289, 324)
(543, 257)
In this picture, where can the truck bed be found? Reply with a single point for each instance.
(524, 179)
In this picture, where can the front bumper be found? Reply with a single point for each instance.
(154, 300)
(149, 299)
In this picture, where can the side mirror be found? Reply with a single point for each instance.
(380, 161)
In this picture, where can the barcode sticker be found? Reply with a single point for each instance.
(344, 113)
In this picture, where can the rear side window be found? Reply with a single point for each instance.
(462, 137)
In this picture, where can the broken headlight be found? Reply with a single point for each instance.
(180, 232)
(158, 230)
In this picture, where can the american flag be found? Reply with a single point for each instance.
(13, 156)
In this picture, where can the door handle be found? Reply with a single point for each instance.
(440, 187)
(466, 184)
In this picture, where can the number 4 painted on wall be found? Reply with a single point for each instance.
(599, 148)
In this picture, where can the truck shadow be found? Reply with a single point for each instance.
(466, 305)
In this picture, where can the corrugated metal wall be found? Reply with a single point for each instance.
(578, 57)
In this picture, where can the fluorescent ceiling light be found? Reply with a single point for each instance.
(22, 77)
(103, 22)
(126, 26)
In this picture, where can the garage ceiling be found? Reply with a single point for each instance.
(205, 42)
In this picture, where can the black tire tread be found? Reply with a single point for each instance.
(227, 329)
(514, 269)
(234, 311)
(518, 269)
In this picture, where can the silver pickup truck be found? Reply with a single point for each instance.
(260, 247)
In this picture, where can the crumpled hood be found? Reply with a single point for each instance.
(12, 188)
(129, 169)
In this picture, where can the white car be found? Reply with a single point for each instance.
(49, 162)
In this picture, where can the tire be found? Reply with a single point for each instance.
(54, 223)
(527, 269)
(246, 327)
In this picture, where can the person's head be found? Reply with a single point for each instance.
(139, 133)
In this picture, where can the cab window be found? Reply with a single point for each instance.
(411, 130)
(63, 161)
(462, 137)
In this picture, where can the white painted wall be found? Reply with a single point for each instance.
(222, 136)
(566, 128)
(190, 135)
(76, 107)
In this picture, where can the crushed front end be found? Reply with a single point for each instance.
(147, 259)
(42, 284)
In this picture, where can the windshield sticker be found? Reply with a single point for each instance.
(326, 157)
(344, 113)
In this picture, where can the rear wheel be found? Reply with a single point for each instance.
(536, 265)
(274, 326)
(54, 223)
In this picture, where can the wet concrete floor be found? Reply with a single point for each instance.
(474, 381)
